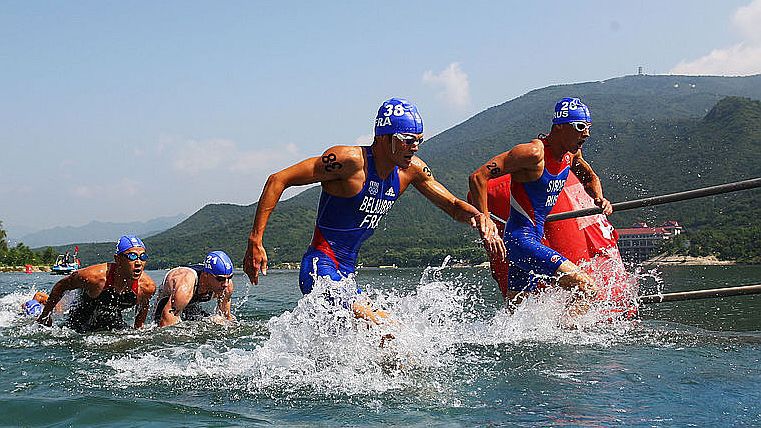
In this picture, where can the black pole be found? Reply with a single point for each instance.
(701, 294)
(663, 199)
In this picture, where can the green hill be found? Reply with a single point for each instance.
(651, 135)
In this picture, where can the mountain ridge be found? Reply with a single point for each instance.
(98, 231)
(640, 123)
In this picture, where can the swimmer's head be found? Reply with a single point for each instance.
(218, 263)
(128, 241)
(571, 110)
(41, 297)
(32, 307)
(398, 116)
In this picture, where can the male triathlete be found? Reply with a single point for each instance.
(106, 289)
(539, 169)
(359, 186)
(184, 289)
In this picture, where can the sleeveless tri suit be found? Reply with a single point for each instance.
(105, 311)
(530, 203)
(343, 224)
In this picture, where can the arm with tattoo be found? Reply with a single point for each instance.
(336, 163)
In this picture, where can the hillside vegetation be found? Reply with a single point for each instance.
(651, 135)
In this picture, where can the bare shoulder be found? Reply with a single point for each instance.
(95, 274)
(533, 150)
(535, 145)
(419, 169)
(147, 284)
(182, 279)
(181, 275)
(343, 157)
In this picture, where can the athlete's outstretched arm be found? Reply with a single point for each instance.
(519, 158)
(224, 304)
(335, 164)
(147, 289)
(591, 182)
(458, 209)
(70, 282)
(181, 285)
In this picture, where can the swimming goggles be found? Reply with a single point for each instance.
(409, 139)
(222, 278)
(134, 256)
(580, 126)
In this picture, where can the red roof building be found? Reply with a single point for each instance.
(638, 242)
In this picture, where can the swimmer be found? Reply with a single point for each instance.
(360, 184)
(185, 288)
(106, 289)
(539, 170)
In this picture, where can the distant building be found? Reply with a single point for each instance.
(640, 241)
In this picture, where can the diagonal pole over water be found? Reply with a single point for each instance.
(701, 294)
(663, 199)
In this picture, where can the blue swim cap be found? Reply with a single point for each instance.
(218, 263)
(128, 241)
(398, 115)
(32, 307)
(571, 110)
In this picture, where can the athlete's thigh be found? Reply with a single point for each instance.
(315, 264)
(530, 261)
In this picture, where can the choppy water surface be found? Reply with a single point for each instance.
(457, 358)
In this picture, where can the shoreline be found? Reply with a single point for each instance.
(680, 260)
(38, 268)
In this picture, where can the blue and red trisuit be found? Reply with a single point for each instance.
(589, 242)
(530, 204)
(343, 224)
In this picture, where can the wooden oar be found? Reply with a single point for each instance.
(701, 294)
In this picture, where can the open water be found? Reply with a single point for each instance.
(458, 358)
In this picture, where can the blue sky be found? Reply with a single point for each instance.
(126, 111)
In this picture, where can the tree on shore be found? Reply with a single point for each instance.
(21, 254)
(3, 236)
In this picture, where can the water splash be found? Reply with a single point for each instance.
(321, 347)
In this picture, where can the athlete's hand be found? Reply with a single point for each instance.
(255, 260)
(46, 321)
(490, 235)
(587, 287)
(605, 204)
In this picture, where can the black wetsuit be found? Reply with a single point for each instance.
(105, 311)
(193, 311)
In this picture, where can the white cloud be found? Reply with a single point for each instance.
(742, 59)
(453, 83)
(192, 157)
(125, 187)
(746, 20)
(363, 140)
(738, 60)
(264, 160)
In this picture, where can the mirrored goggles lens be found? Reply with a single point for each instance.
(580, 126)
(409, 138)
(134, 256)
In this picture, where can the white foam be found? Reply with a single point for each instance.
(10, 308)
(322, 347)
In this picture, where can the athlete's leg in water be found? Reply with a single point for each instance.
(364, 310)
(571, 277)
(532, 264)
(315, 264)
